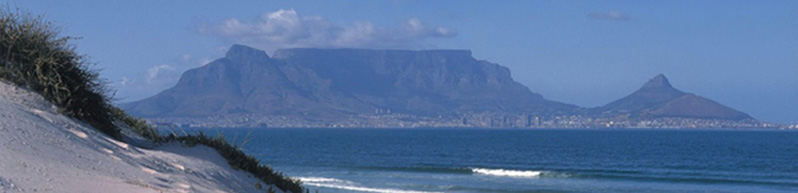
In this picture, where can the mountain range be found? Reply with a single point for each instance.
(335, 83)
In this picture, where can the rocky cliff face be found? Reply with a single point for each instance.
(329, 82)
(657, 98)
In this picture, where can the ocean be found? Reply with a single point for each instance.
(516, 160)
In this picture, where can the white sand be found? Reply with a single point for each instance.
(42, 151)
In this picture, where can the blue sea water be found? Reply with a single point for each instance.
(551, 160)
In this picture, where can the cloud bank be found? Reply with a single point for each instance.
(610, 15)
(287, 29)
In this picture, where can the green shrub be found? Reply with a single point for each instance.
(239, 160)
(32, 55)
(139, 126)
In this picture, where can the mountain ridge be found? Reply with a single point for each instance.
(315, 84)
(328, 82)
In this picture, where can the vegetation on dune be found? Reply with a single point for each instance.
(239, 160)
(33, 55)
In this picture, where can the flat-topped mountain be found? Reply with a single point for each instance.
(363, 87)
(331, 82)
(657, 98)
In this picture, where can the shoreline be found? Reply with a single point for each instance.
(481, 128)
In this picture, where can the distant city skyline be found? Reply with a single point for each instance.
(588, 53)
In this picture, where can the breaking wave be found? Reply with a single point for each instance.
(507, 173)
(349, 185)
(323, 180)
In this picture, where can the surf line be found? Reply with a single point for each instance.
(507, 173)
(349, 185)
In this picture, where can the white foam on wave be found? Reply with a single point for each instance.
(322, 180)
(349, 185)
(507, 173)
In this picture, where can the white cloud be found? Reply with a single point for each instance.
(287, 29)
(124, 81)
(167, 74)
(610, 15)
(158, 78)
(189, 61)
(186, 58)
(157, 72)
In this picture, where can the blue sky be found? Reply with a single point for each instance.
(740, 53)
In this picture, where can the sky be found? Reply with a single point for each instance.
(743, 54)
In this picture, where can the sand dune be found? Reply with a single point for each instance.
(42, 151)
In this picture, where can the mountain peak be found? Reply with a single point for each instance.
(658, 98)
(242, 52)
(659, 81)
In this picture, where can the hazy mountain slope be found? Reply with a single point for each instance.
(429, 81)
(657, 98)
(330, 82)
(245, 81)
